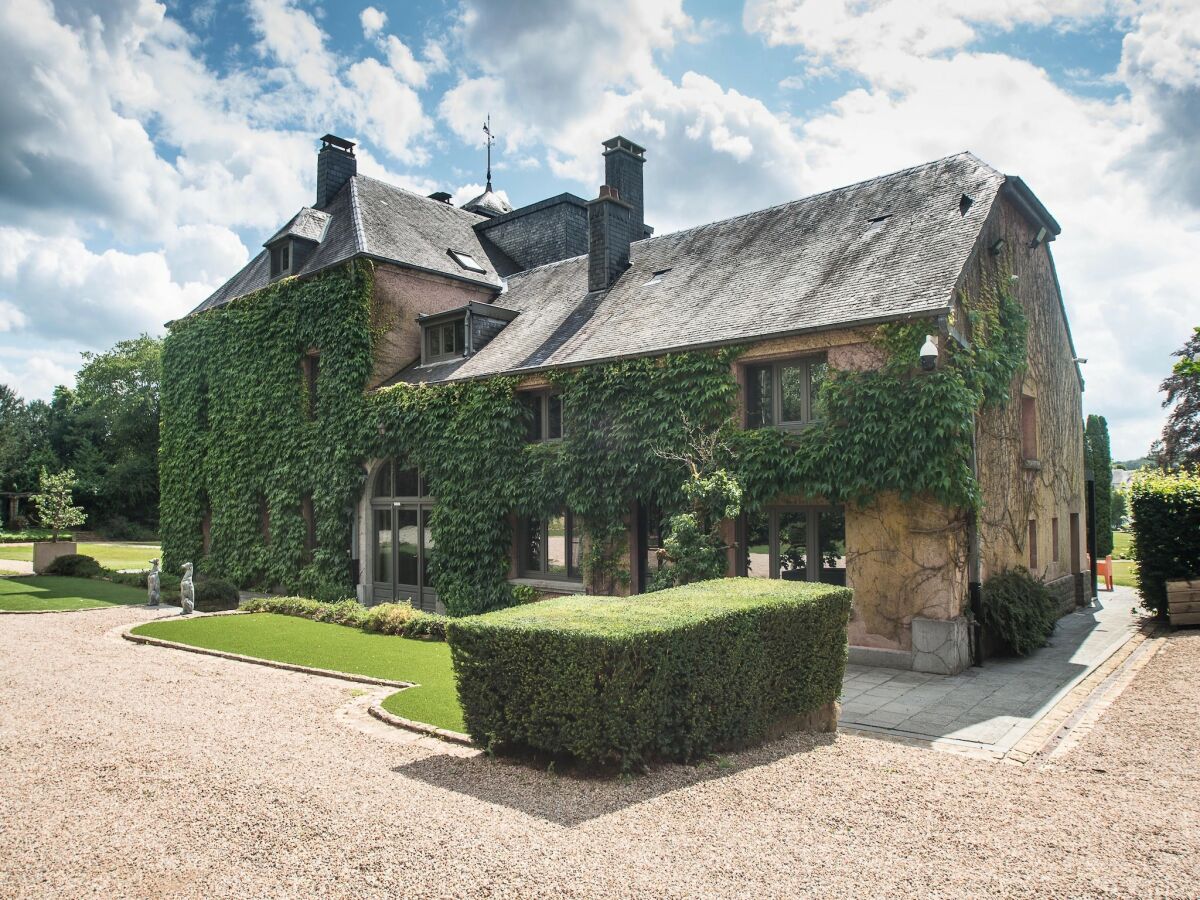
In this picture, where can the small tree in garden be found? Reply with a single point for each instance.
(694, 547)
(53, 502)
(1099, 460)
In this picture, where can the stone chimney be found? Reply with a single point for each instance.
(623, 161)
(610, 232)
(335, 166)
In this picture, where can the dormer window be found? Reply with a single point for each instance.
(281, 259)
(467, 261)
(445, 340)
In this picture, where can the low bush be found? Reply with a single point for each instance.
(74, 565)
(215, 595)
(1166, 532)
(677, 674)
(1019, 609)
(386, 618)
(26, 535)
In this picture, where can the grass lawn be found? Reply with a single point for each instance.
(1122, 543)
(109, 555)
(1124, 570)
(298, 641)
(52, 592)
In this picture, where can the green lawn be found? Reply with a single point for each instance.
(1122, 543)
(322, 645)
(109, 555)
(52, 592)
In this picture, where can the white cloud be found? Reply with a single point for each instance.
(65, 291)
(35, 373)
(402, 60)
(11, 318)
(373, 21)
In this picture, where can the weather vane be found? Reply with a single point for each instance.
(487, 129)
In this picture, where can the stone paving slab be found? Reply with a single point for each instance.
(990, 707)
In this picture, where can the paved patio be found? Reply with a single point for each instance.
(993, 706)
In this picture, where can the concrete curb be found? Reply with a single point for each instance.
(1064, 712)
(445, 734)
(258, 661)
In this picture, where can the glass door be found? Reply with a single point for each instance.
(401, 538)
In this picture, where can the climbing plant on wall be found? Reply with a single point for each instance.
(236, 433)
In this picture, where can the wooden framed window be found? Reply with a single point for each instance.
(544, 416)
(310, 371)
(1054, 539)
(1033, 547)
(800, 543)
(1075, 539)
(550, 547)
(281, 259)
(445, 340)
(784, 393)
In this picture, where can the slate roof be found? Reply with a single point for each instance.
(882, 249)
(308, 224)
(372, 218)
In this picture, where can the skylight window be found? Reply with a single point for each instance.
(656, 278)
(874, 224)
(466, 260)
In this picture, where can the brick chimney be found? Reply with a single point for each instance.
(623, 161)
(610, 231)
(335, 166)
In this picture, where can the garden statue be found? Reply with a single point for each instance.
(153, 582)
(187, 592)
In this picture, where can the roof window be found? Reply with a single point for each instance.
(656, 278)
(466, 260)
(281, 259)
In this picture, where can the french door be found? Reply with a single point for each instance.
(402, 540)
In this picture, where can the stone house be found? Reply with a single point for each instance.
(486, 290)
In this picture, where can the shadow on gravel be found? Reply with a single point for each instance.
(569, 797)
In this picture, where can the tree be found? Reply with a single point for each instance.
(1179, 446)
(54, 505)
(1120, 509)
(1099, 460)
(107, 430)
(24, 441)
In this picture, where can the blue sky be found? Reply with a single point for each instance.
(151, 148)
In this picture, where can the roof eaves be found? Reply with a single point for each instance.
(1031, 206)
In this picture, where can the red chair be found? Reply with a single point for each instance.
(1104, 569)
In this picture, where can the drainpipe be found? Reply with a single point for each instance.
(975, 564)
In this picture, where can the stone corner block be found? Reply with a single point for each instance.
(940, 646)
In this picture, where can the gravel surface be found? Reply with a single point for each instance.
(140, 771)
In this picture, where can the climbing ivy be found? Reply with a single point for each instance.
(235, 429)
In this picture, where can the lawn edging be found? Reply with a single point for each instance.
(42, 612)
(128, 635)
(445, 734)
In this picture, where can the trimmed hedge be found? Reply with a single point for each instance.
(216, 595)
(74, 565)
(386, 618)
(1019, 609)
(1166, 532)
(674, 675)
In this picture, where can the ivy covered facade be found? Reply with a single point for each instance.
(460, 407)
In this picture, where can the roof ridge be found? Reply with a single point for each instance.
(475, 217)
(755, 212)
(807, 197)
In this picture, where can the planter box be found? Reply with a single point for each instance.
(48, 552)
(1183, 602)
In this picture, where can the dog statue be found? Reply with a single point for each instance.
(187, 592)
(153, 583)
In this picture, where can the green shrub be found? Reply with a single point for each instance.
(215, 595)
(1166, 532)
(74, 565)
(1019, 609)
(674, 674)
(26, 535)
(386, 618)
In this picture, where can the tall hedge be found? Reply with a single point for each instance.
(671, 675)
(1099, 460)
(1166, 532)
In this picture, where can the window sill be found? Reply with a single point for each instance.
(550, 584)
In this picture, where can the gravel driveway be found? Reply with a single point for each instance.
(140, 771)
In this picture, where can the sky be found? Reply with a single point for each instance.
(150, 148)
